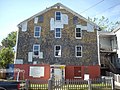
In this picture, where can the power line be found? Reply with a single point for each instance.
(107, 9)
(92, 6)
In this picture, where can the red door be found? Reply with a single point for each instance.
(77, 71)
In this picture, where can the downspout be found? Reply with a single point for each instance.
(16, 46)
(98, 45)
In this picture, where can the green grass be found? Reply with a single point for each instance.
(71, 87)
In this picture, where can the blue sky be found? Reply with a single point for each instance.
(12, 12)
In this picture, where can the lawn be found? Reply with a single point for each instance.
(100, 86)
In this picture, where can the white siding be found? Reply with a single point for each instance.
(118, 42)
(58, 24)
(52, 24)
(36, 20)
(64, 18)
(18, 61)
(90, 27)
(30, 54)
(84, 27)
(41, 55)
(24, 26)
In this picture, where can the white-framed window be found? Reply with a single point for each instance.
(58, 15)
(78, 51)
(57, 32)
(36, 49)
(78, 33)
(57, 51)
(37, 31)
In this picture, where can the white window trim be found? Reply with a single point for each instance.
(81, 33)
(76, 50)
(38, 50)
(55, 51)
(39, 32)
(60, 16)
(60, 33)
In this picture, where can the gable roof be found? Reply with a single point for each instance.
(60, 5)
(116, 29)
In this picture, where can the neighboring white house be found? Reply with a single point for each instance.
(117, 32)
(109, 47)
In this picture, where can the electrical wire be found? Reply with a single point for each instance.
(107, 9)
(92, 6)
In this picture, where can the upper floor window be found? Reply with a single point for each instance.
(57, 32)
(41, 18)
(78, 51)
(37, 31)
(57, 51)
(75, 20)
(78, 33)
(58, 15)
(36, 49)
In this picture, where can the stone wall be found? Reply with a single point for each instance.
(67, 41)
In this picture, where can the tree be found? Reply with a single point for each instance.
(10, 40)
(6, 57)
(7, 53)
(104, 23)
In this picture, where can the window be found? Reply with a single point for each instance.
(78, 33)
(57, 33)
(41, 18)
(78, 51)
(37, 31)
(75, 20)
(57, 51)
(36, 50)
(58, 15)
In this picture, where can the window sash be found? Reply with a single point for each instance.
(57, 51)
(41, 18)
(58, 15)
(36, 50)
(57, 33)
(78, 33)
(78, 51)
(37, 31)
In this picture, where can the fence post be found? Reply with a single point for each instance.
(49, 84)
(27, 84)
(112, 82)
(89, 84)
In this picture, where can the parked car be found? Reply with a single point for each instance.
(12, 85)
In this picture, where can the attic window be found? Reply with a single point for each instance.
(58, 15)
(41, 18)
(75, 20)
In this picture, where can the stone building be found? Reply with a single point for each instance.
(62, 39)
